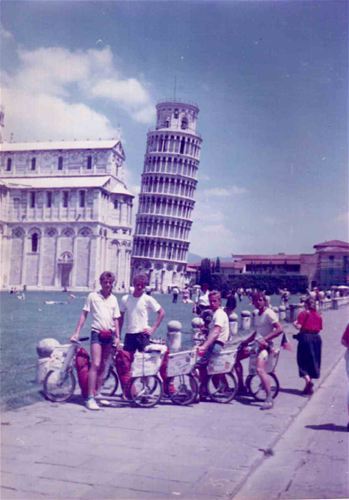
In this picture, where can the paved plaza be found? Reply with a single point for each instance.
(53, 451)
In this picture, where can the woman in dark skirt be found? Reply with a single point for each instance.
(309, 324)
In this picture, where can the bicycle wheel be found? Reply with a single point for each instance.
(256, 389)
(183, 389)
(58, 386)
(110, 384)
(146, 391)
(222, 387)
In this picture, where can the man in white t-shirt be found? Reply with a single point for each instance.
(104, 308)
(134, 310)
(216, 339)
(267, 327)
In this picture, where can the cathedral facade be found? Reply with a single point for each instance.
(65, 215)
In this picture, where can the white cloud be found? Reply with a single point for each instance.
(54, 92)
(224, 192)
(44, 117)
(5, 34)
(128, 92)
(209, 240)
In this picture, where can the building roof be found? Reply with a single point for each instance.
(268, 259)
(332, 245)
(66, 182)
(12, 147)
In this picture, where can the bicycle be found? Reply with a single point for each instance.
(222, 384)
(253, 383)
(60, 381)
(183, 388)
(146, 389)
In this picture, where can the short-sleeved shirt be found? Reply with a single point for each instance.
(264, 322)
(203, 299)
(136, 311)
(311, 321)
(220, 318)
(104, 310)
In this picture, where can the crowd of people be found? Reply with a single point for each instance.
(132, 316)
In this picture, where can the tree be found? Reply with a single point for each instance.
(205, 272)
(218, 265)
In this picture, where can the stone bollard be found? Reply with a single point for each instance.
(196, 325)
(44, 349)
(233, 324)
(335, 303)
(174, 335)
(245, 320)
(276, 311)
(282, 313)
(293, 312)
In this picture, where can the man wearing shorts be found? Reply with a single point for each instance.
(217, 337)
(105, 312)
(134, 310)
(267, 327)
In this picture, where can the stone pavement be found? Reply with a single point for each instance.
(311, 458)
(52, 450)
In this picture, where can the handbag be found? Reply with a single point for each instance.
(105, 335)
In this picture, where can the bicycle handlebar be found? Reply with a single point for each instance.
(82, 339)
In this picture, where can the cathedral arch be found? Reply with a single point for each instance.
(85, 231)
(51, 232)
(18, 232)
(68, 232)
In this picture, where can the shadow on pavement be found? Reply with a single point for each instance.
(328, 427)
(296, 392)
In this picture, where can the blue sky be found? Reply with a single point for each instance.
(270, 79)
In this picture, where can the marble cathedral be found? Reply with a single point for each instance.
(65, 215)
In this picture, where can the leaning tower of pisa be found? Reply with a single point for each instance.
(166, 200)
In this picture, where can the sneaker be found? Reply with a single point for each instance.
(267, 405)
(91, 404)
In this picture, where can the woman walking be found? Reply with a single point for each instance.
(309, 324)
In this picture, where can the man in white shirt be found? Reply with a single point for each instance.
(217, 337)
(267, 327)
(134, 310)
(103, 306)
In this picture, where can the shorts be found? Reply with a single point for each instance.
(136, 341)
(96, 340)
(214, 348)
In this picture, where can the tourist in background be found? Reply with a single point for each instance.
(175, 293)
(345, 342)
(104, 308)
(309, 324)
(230, 304)
(135, 309)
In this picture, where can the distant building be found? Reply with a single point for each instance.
(65, 215)
(328, 266)
(166, 201)
(332, 263)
